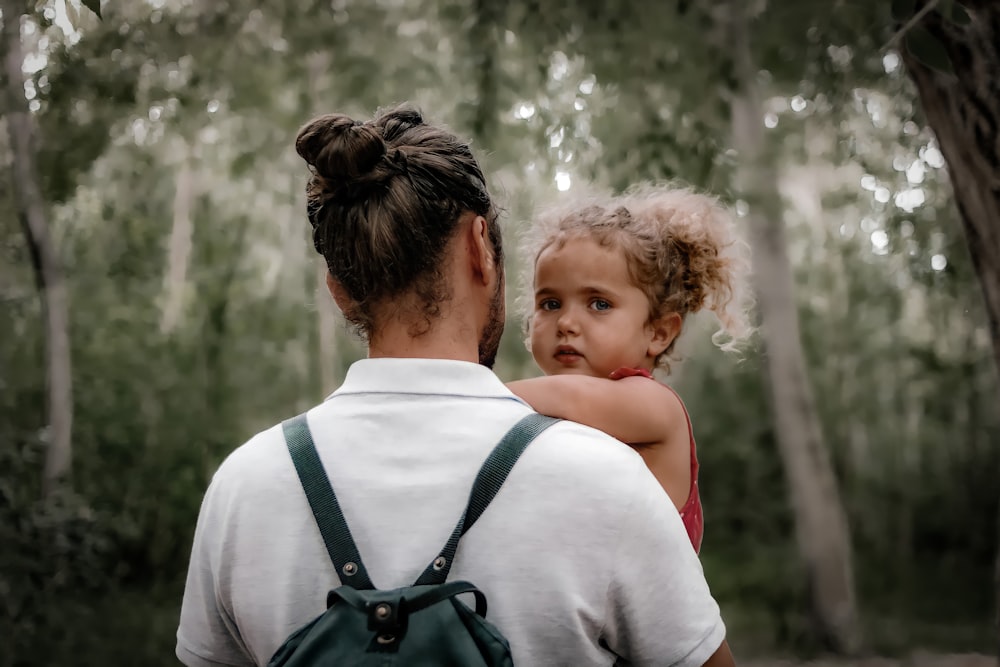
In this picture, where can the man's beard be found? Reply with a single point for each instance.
(489, 341)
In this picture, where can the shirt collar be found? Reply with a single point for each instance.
(448, 377)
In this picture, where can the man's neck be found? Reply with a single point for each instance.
(446, 339)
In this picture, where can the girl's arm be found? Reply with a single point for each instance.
(636, 410)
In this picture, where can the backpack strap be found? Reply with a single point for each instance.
(330, 519)
(488, 482)
(323, 501)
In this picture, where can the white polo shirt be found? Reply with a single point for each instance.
(581, 547)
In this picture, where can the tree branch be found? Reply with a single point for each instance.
(924, 11)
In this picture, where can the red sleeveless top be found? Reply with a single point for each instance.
(691, 513)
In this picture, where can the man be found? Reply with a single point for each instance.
(582, 557)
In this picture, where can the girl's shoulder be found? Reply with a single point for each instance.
(626, 372)
(668, 405)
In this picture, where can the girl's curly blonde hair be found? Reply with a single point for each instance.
(681, 248)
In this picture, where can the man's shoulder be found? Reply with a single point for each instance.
(573, 451)
(586, 454)
(259, 456)
(572, 434)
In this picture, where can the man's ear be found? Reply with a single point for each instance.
(339, 294)
(663, 331)
(481, 252)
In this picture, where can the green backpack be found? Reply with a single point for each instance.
(418, 625)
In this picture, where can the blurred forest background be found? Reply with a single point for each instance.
(161, 301)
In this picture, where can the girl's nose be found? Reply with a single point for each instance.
(568, 322)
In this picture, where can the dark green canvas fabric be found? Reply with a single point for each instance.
(446, 632)
(426, 624)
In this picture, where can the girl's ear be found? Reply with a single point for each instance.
(663, 331)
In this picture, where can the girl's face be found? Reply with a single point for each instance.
(589, 318)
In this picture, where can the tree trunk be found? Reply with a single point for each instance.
(963, 109)
(224, 252)
(179, 249)
(52, 285)
(485, 46)
(326, 319)
(820, 520)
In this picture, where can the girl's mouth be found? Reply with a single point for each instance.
(567, 355)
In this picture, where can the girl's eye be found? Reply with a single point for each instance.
(548, 304)
(600, 304)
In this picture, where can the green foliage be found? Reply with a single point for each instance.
(94, 6)
(926, 48)
(54, 550)
(902, 10)
(954, 12)
(921, 43)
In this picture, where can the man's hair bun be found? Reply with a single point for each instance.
(340, 150)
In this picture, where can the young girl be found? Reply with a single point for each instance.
(613, 283)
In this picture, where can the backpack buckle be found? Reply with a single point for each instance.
(387, 618)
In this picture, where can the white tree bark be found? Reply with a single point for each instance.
(48, 269)
(820, 520)
(318, 66)
(179, 249)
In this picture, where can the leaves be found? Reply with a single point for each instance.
(951, 10)
(903, 9)
(928, 49)
(94, 6)
(954, 12)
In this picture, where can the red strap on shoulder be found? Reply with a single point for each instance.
(630, 372)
